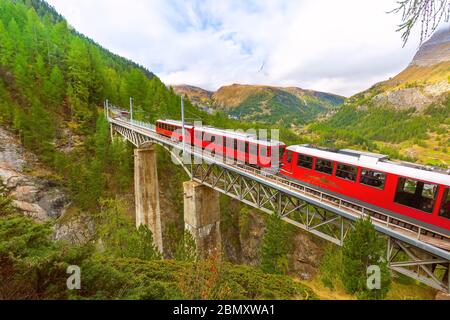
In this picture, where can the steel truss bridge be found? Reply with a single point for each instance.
(411, 250)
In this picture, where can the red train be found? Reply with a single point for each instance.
(407, 191)
(173, 129)
(402, 190)
(236, 146)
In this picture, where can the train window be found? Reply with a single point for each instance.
(263, 151)
(324, 166)
(444, 211)
(289, 157)
(305, 161)
(346, 172)
(209, 138)
(373, 178)
(242, 145)
(254, 149)
(416, 194)
(235, 144)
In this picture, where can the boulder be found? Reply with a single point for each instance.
(26, 193)
(54, 203)
(77, 230)
(31, 209)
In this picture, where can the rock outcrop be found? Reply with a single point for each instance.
(38, 198)
(435, 50)
(418, 97)
(242, 240)
(78, 229)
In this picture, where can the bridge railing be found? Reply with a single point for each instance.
(143, 124)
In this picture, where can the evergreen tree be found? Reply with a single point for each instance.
(276, 245)
(187, 249)
(119, 235)
(364, 248)
(10, 48)
(54, 88)
(79, 76)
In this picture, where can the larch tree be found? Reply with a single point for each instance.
(79, 76)
(428, 13)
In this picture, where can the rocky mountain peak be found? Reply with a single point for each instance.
(435, 50)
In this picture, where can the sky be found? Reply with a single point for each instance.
(341, 47)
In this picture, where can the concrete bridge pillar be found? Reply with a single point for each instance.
(202, 218)
(146, 191)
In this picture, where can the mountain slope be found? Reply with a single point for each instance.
(197, 95)
(283, 106)
(407, 116)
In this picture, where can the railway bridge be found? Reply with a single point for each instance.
(411, 250)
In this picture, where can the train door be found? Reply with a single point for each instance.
(253, 154)
(288, 162)
(444, 210)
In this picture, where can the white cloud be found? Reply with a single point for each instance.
(337, 46)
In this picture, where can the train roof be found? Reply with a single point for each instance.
(176, 123)
(240, 135)
(377, 162)
(227, 133)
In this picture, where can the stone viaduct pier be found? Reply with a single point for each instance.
(201, 206)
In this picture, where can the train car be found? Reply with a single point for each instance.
(417, 194)
(242, 147)
(173, 129)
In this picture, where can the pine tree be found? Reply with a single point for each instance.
(8, 43)
(54, 88)
(275, 246)
(21, 73)
(364, 248)
(187, 249)
(79, 77)
(40, 72)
